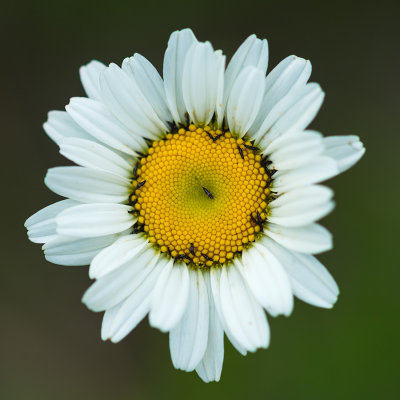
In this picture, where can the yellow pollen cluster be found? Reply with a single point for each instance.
(201, 195)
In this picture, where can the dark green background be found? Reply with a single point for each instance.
(50, 345)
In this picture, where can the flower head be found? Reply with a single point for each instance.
(195, 197)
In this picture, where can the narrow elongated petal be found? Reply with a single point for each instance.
(310, 280)
(137, 305)
(174, 61)
(108, 319)
(188, 340)
(252, 52)
(245, 100)
(60, 125)
(90, 78)
(210, 367)
(93, 220)
(94, 117)
(297, 149)
(127, 102)
(219, 108)
(318, 170)
(345, 150)
(282, 82)
(293, 113)
(150, 83)
(170, 297)
(87, 185)
(42, 225)
(199, 82)
(267, 280)
(311, 238)
(122, 251)
(73, 251)
(215, 280)
(116, 286)
(242, 314)
(90, 154)
(301, 206)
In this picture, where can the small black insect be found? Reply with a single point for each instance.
(250, 147)
(172, 126)
(259, 220)
(135, 168)
(217, 137)
(192, 248)
(208, 193)
(137, 228)
(210, 136)
(240, 151)
(132, 203)
(183, 256)
(187, 118)
(140, 184)
(270, 172)
(206, 257)
(265, 162)
(148, 141)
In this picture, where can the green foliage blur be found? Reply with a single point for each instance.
(50, 346)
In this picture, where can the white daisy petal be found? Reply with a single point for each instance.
(87, 185)
(312, 238)
(267, 280)
(245, 100)
(219, 108)
(150, 83)
(290, 74)
(42, 225)
(293, 113)
(345, 150)
(170, 297)
(108, 319)
(111, 258)
(94, 117)
(252, 52)
(210, 367)
(137, 305)
(318, 170)
(93, 220)
(60, 125)
(301, 206)
(90, 74)
(242, 314)
(199, 82)
(116, 286)
(73, 251)
(90, 154)
(188, 340)
(310, 280)
(127, 102)
(297, 150)
(215, 280)
(174, 60)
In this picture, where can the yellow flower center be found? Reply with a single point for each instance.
(201, 195)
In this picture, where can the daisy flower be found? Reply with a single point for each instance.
(195, 196)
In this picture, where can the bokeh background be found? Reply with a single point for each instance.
(50, 347)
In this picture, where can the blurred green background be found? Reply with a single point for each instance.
(50, 345)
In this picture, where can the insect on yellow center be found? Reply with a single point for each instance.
(201, 195)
